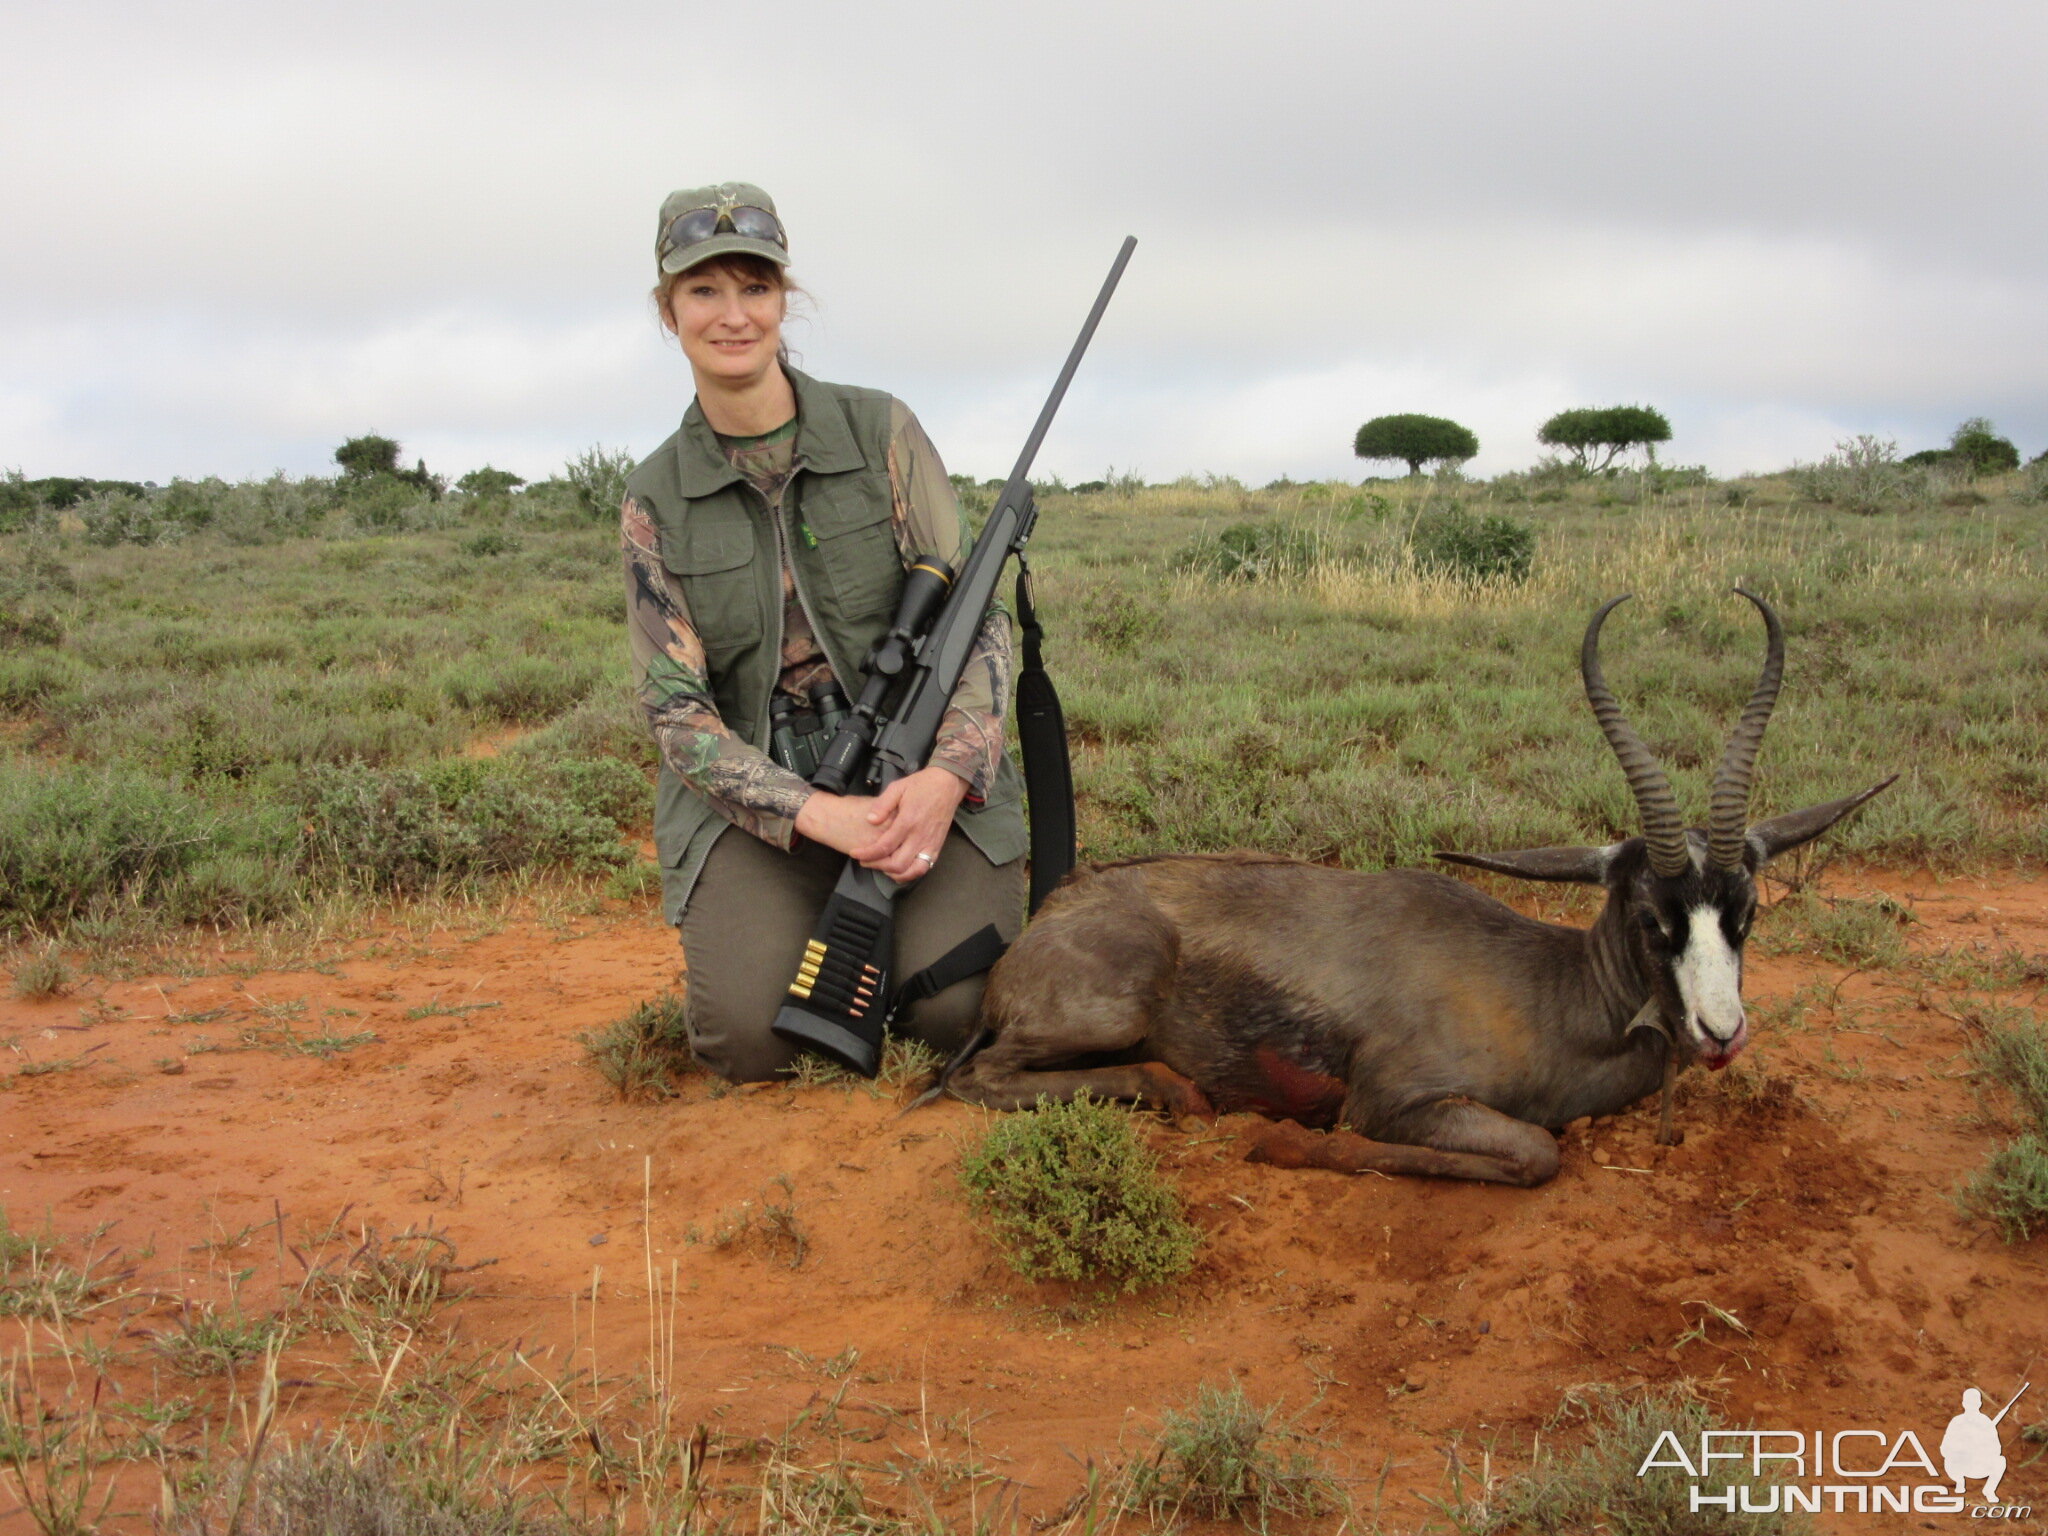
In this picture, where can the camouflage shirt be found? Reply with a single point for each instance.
(742, 783)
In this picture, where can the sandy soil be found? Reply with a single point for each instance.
(1812, 1207)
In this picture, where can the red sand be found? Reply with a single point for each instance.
(1423, 1312)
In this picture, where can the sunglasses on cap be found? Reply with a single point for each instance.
(698, 224)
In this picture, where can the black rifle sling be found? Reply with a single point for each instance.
(1049, 789)
(1048, 773)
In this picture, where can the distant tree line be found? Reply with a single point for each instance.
(1595, 436)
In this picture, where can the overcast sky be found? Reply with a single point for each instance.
(237, 233)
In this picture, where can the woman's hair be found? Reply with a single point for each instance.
(753, 269)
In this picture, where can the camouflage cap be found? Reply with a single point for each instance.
(736, 226)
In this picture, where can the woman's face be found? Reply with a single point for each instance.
(730, 323)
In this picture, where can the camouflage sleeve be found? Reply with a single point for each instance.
(928, 522)
(744, 785)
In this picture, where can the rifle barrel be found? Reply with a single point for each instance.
(1059, 388)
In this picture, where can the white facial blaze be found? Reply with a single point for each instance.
(1710, 978)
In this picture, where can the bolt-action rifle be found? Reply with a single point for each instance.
(841, 996)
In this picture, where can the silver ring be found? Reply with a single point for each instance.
(929, 858)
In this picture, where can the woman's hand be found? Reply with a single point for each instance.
(887, 832)
(910, 820)
(840, 822)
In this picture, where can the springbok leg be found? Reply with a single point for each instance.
(1150, 1084)
(1450, 1139)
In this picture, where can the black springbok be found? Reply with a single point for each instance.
(1440, 1031)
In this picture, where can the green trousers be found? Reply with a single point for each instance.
(754, 907)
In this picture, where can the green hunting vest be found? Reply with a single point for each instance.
(721, 546)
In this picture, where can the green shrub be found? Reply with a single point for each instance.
(1865, 475)
(1595, 1488)
(44, 974)
(1452, 542)
(599, 476)
(1123, 622)
(402, 831)
(1865, 933)
(119, 517)
(1069, 1192)
(599, 786)
(34, 571)
(607, 723)
(78, 843)
(28, 627)
(490, 542)
(1222, 1457)
(2012, 1187)
(639, 1053)
(1253, 552)
(389, 503)
(517, 689)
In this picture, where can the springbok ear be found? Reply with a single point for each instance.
(1576, 866)
(1782, 833)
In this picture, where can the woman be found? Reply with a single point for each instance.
(765, 544)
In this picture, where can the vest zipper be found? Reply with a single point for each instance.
(778, 515)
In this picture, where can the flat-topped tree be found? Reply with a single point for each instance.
(1609, 431)
(1416, 440)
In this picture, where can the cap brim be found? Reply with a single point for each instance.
(723, 245)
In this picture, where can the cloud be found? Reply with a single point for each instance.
(240, 231)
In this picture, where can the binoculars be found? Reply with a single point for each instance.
(798, 737)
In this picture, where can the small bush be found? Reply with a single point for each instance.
(43, 975)
(2012, 1187)
(403, 831)
(489, 542)
(1457, 544)
(1070, 1193)
(1224, 1458)
(1866, 933)
(26, 628)
(599, 476)
(2014, 1055)
(390, 1282)
(638, 1054)
(118, 517)
(330, 1488)
(1865, 475)
(1253, 552)
(1123, 622)
(1595, 1488)
(2032, 489)
(518, 690)
(76, 843)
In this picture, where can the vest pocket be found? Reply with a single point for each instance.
(856, 559)
(715, 568)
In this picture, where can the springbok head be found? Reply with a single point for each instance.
(1682, 899)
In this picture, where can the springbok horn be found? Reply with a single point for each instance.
(1663, 827)
(1728, 803)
